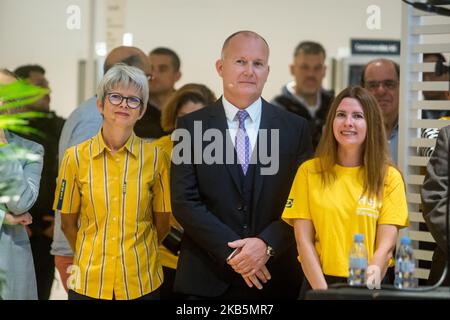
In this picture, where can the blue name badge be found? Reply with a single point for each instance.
(61, 194)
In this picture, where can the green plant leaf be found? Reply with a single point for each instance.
(20, 93)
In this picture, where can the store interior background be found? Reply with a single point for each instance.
(35, 31)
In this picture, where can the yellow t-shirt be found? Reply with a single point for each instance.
(339, 211)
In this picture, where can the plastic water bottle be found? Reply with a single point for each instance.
(357, 263)
(405, 265)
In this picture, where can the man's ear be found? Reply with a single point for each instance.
(292, 67)
(219, 66)
(178, 76)
(324, 72)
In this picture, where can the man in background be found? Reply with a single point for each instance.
(165, 71)
(435, 95)
(382, 78)
(41, 230)
(305, 96)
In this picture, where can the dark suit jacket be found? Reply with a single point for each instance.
(207, 201)
(434, 198)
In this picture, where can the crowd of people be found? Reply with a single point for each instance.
(163, 193)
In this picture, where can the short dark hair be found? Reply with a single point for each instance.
(132, 61)
(9, 73)
(309, 47)
(395, 64)
(439, 56)
(176, 63)
(24, 72)
(191, 92)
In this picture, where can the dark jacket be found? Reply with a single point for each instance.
(149, 126)
(435, 197)
(289, 102)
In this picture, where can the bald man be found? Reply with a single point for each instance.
(235, 245)
(381, 77)
(83, 123)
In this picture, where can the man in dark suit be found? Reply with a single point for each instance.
(235, 206)
(435, 198)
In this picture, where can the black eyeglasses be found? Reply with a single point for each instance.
(387, 84)
(132, 102)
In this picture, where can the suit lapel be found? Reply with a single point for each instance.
(219, 121)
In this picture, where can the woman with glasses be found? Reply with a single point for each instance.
(114, 199)
(187, 99)
(349, 188)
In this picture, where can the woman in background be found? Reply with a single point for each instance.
(350, 187)
(187, 99)
(20, 177)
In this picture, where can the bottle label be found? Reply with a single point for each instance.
(358, 263)
(406, 266)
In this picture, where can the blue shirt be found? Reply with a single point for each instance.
(393, 144)
(82, 124)
(16, 259)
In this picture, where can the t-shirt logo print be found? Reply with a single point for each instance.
(289, 203)
(368, 207)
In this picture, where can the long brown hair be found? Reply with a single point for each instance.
(191, 92)
(376, 159)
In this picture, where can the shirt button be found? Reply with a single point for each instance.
(114, 219)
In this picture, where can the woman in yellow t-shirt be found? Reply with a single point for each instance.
(187, 99)
(349, 187)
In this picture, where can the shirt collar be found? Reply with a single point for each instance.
(394, 131)
(254, 110)
(131, 144)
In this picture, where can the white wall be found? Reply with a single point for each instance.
(35, 31)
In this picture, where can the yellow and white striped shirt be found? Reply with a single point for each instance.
(115, 196)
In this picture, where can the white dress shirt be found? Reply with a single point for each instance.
(251, 123)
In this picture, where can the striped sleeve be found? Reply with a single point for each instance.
(67, 194)
(161, 192)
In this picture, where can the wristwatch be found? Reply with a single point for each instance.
(270, 251)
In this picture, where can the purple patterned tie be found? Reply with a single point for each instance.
(242, 142)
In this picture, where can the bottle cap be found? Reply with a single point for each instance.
(358, 237)
(405, 240)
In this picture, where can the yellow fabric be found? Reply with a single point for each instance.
(338, 211)
(115, 196)
(168, 259)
